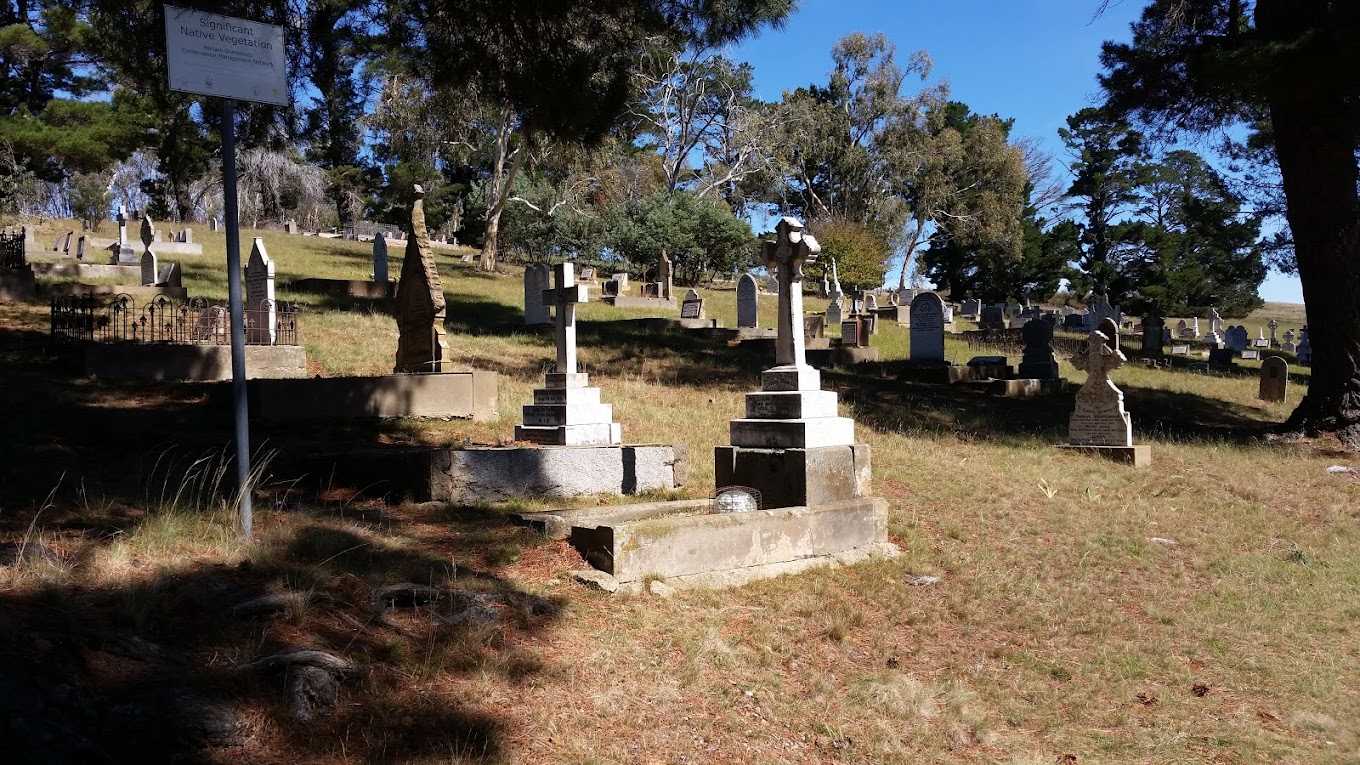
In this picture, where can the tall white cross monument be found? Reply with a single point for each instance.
(566, 411)
(791, 445)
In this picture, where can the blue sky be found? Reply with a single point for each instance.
(1033, 60)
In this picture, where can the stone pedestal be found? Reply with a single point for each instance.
(568, 413)
(792, 446)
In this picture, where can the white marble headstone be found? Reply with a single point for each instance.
(260, 314)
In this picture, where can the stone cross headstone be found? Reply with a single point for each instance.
(566, 411)
(260, 314)
(1274, 379)
(789, 254)
(927, 327)
(537, 279)
(748, 302)
(1037, 361)
(564, 297)
(1288, 345)
(380, 258)
(149, 269)
(1099, 418)
(1304, 351)
(421, 344)
(1274, 341)
(122, 225)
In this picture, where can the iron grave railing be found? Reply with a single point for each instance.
(12, 250)
(91, 319)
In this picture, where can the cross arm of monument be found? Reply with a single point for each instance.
(565, 295)
(793, 248)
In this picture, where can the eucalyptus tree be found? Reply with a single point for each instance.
(550, 72)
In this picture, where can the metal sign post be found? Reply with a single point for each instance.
(240, 408)
(232, 59)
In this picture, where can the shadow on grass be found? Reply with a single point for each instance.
(971, 413)
(166, 668)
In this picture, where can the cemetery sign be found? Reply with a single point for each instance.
(214, 55)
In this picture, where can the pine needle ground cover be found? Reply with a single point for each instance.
(1203, 610)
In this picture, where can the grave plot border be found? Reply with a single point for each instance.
(196, 321)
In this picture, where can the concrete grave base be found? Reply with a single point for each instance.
(736, 577)
(129, 274)
(17, 284)
(747, 334)
(444, 395)
(698, 323)
(796, 477)
(840, 355)
(628, 301)
(1026, 387)
(358, 288)
(945, 373)
(1138, 455)
(157, 361)
(133, 290)
(491, 474)
(177, 248)
(688, 542)
(898, 314)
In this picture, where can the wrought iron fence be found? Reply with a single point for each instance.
(88, 319)
(12, 250)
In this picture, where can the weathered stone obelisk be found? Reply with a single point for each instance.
(421, 346)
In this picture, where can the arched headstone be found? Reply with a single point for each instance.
(927, 327)
(748, 302)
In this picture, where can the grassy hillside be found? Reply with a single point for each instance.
(1203, 610)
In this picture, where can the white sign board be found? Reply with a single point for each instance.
(214, 55)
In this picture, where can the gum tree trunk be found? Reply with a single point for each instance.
(1316, 149)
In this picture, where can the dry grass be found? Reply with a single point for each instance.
(1203, 610)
